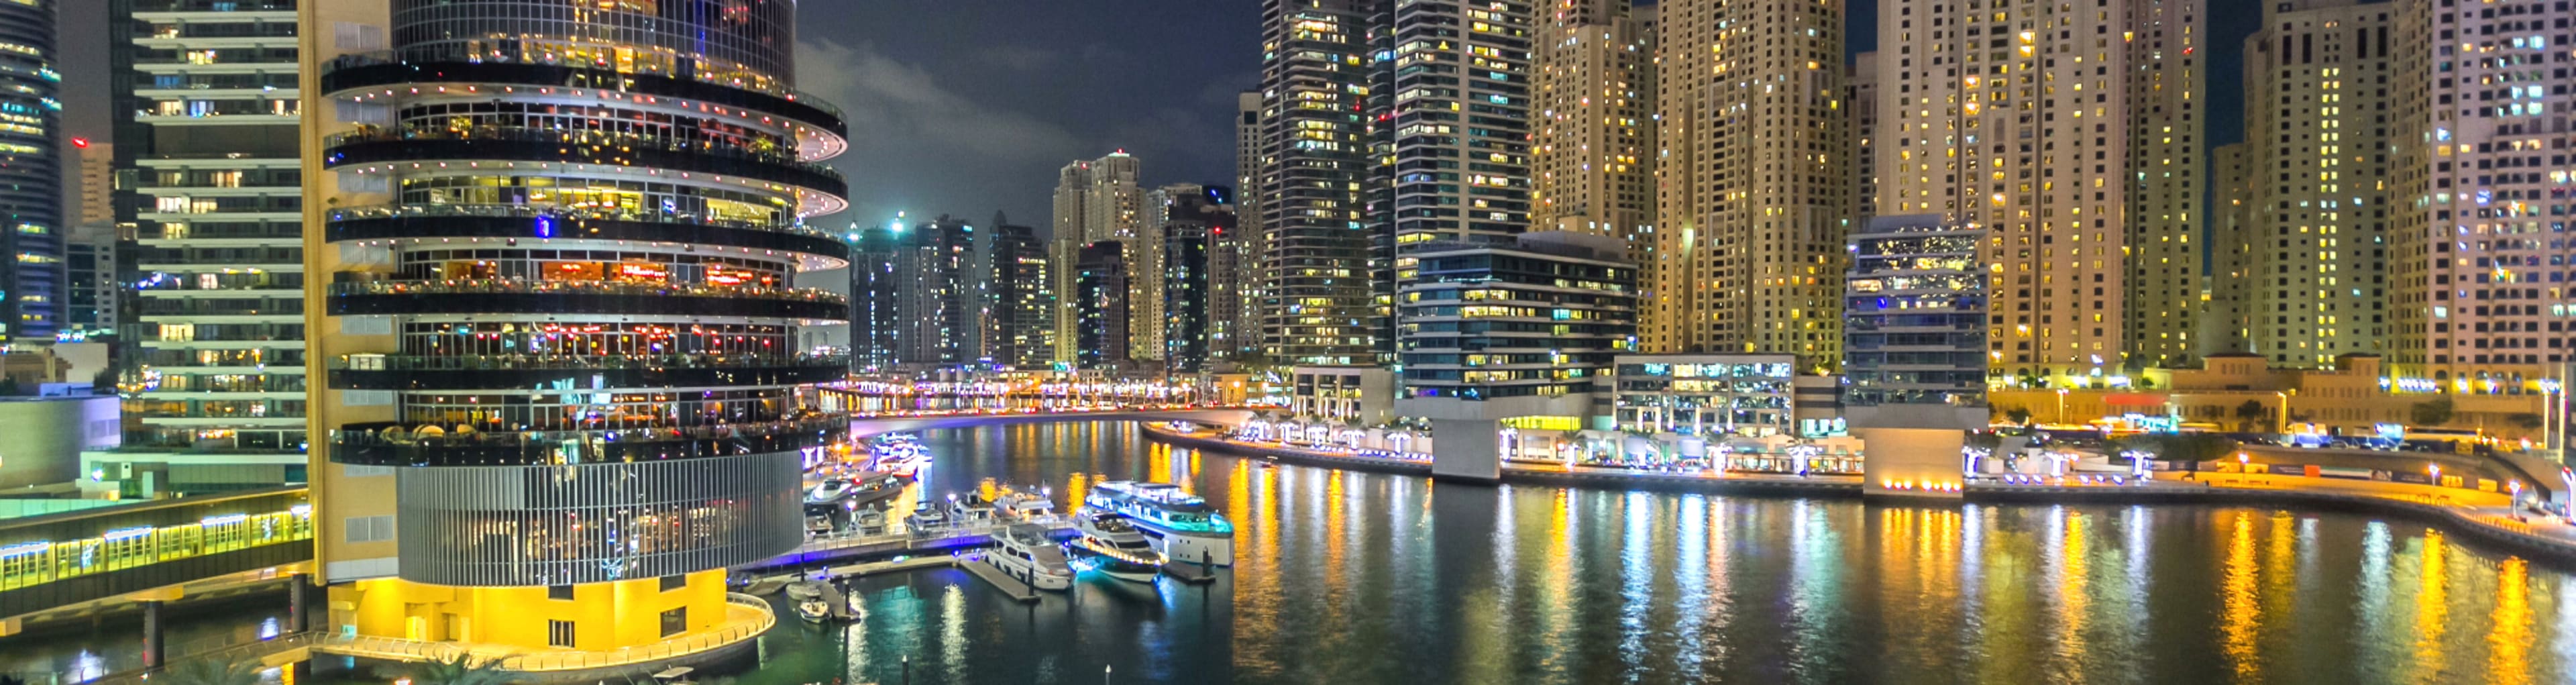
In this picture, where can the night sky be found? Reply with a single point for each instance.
(969, 107)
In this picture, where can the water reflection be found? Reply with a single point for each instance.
(1365, 578)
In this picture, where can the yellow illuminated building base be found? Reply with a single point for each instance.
(533, 621)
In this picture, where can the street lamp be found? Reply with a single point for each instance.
(2242, 465)
(2435, 470)
(2061, 406)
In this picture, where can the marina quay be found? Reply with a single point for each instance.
(1363, 342)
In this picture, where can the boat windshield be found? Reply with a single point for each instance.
(1207, 521)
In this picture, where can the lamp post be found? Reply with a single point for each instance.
(2061, 406)
(2434, 470)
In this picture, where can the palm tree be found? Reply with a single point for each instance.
(211, 672)
(461, 669)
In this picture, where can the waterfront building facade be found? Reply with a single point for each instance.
(1520, 332)
(1754, 194)
(1317, 61)
(215, 340)
(553, 248)
(1712, 395)
(31, 162)
(2089, 198)
(1916, 305)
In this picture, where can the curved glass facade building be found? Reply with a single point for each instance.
(559, 320)
(31, 240)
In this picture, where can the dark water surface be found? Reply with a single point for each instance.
(1363, 578)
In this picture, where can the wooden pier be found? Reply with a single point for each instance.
(1001, 581)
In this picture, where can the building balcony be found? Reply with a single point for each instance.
(392, 444)
(521, 221)
(581, 298)
(493, 372)
(512, 144)
(819, 127)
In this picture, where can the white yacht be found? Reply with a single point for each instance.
(1107, 542)
(1180, 525)
(1023, 551)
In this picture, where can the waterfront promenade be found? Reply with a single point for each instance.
(2487, 516)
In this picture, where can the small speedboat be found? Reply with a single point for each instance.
(831, 491)
(815, 610)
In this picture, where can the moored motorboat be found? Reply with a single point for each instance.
(1180, 525)
(1021, 505)
(1024, 552)
(1107, 542)
(814, 610)
(926, 520)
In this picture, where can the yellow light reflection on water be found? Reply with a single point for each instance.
(2432, 608)
(2510, 640)
(2071, 568)
(2240, 615)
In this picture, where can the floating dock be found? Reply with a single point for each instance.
(876, 567)
(1002, 581)
(1188, 572)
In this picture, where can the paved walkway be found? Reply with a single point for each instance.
(2485, 514)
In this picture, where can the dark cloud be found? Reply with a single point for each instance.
(970, 107)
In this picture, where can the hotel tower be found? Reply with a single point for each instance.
(553, 247)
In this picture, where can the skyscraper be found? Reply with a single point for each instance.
(1197, 269)
(1754, 192)
(1316, 63)
(2316, 228)
(876, 297)
(1097, 200)
(1461, 122)
(2481, 181)
(1021, 326)
(1064, 246)
(1100, 306)
(2225, 322)
(1592, 102)
(1248, 279)
(564, 393)
(31, 203)
(939, 301)
(2070, 134)
(215, 334)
